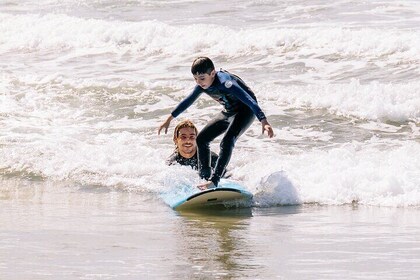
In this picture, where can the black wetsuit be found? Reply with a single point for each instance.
(240, 108)
(192, 162)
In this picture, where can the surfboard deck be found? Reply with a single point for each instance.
(230, 195)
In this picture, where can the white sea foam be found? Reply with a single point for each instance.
(50, 133)
(373, 101)
(366, 173)
(59, 32)
(356, 172)
(82, 94)
(84, 85)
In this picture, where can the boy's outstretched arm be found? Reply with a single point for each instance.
(166, 124)
(187, 102)
(267, 127)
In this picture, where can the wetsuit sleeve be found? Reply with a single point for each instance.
(245, 98)
(187, 102)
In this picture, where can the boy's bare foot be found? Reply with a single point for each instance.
(207, 185)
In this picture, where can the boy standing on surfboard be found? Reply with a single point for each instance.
(240, 109)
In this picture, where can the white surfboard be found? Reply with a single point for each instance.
(228, 194)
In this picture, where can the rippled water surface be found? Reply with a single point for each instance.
(85, 84)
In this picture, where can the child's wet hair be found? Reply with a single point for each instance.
(202, 65)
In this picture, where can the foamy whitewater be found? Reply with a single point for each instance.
(85, 84)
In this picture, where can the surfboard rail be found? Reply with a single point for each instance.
(222, 196)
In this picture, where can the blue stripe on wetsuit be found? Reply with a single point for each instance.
(227, 89)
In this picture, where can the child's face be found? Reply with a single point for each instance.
(205, 80)
(186, 142)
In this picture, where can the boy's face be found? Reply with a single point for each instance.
(205, 80)
(186, 142)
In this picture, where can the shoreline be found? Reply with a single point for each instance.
(98, 234)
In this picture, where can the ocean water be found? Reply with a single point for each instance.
(84, 85)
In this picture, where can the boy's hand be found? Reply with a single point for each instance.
(165, 125)
(267, 127)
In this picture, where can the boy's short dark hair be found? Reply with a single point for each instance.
(202, 65)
